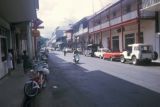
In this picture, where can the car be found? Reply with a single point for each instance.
(112, 55)
(99, 53)
(138, 53)
(69, 50)
(91, 48)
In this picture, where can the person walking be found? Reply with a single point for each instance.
(9, 62)
(25, 59)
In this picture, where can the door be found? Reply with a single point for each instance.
(115, 43)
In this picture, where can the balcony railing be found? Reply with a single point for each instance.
(90, 30)
(97, 28)
(85, 30)
(116, 21)
(129, 16)
(147, 14)
(104, 25)
(148, 3)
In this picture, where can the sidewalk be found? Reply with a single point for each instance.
(11, 88)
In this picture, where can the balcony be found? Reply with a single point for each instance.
(151, 5)
(147, 14)
(115, 21)
(85, 30)
(104, 25)
(130, 16)
(90, 30)
(98, 27)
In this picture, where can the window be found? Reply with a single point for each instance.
(128, 8)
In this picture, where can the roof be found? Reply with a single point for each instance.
(104, 8)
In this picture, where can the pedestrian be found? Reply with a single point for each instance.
(25, 59)
(9, 62)
(65, 52)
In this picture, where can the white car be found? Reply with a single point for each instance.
(139, 53)
(99, 53)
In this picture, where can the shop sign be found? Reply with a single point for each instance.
(35, 33)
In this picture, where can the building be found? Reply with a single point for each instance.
(16, 29)
(69, 37)
(60, 36)
(154, 6)
(80, 33)
(120, 24)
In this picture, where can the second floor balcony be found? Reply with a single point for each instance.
(130, 16)
(115, 21)
(152, 5)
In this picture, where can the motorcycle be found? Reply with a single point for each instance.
(76, 58)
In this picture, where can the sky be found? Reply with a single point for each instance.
(55, 13)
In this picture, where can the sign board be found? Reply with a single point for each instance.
(35, 33)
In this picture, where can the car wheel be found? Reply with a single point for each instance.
(134, 60)
(123, 60)
(100, 57)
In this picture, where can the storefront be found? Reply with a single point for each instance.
(4, 42)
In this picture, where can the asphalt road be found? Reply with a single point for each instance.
(99, 83)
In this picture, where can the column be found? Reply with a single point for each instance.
(29, 40)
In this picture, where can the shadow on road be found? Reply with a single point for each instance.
(79, 87)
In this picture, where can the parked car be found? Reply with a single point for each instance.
(112, 55)
(69, 50)
(91, 48)
(139, 53)
(99, 53)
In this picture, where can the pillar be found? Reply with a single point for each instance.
(29, 40)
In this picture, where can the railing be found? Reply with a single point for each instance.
(104, 25)
(147, 14)
(116, 21)
(98, 27)
(90, 30)
(85, 30)
(147, 3)
(130, 16)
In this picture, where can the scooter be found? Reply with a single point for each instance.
(76, 58)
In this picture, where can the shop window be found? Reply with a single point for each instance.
(115, 43)
(129, 39)
(3, 49)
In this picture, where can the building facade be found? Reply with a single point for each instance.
(154, 6)
(122, 23)
(80, 34)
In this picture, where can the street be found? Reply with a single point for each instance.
(96, 82)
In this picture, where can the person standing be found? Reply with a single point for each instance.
(25, 59)
(9, 62)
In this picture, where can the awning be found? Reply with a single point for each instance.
(18, 10)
